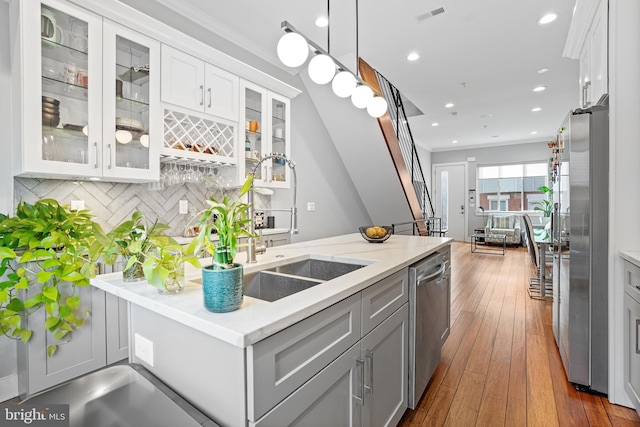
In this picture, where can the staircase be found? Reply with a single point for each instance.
(397, 134)
(386, 173)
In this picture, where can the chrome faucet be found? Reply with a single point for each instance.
(293, 227)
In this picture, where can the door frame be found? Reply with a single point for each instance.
(465, 164)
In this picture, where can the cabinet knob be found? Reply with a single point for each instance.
(201, 94)
(209, 90)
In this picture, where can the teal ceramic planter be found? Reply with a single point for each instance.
(223, 290)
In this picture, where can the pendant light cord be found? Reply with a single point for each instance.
(329, 27)
(357, 41)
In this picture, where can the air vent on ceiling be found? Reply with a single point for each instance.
(427, 15)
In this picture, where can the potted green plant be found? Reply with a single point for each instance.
(545, 205)
(222, 281)
(46, 253)
(164, 265)
(133, 239)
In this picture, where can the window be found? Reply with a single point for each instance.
(511, 187)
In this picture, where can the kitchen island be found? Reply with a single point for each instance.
(243, 367)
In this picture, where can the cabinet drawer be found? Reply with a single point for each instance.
(632, 280)
(283, 362)
(380, 300)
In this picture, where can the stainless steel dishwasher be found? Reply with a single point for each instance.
(429, 318)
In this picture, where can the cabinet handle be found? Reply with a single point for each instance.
(369, 357)
(360, 385)
(95, 147)
(585, 93)
(209, 90)
(637, 327)
(110, 159)
(201, 94)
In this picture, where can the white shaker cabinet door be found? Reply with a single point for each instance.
(221, 94)
(182, 81)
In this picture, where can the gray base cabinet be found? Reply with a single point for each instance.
(101, 341)
(365, 386)
(328, 399)
(632, 333)
(85, 352)
(117, 329)
(385, 352)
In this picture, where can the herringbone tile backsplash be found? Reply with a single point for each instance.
(113, 203)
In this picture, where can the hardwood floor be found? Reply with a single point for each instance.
(500, 365)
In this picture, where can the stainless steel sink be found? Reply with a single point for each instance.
(317, 268)
(274, 283)
(270, 286)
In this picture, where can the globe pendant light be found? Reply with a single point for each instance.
(377, 107)
(123, 136)
(322, 69)
(361, 96)
(293, 49)
(343, 84)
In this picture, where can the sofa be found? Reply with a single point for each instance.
(507, 224)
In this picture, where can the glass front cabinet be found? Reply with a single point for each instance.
(88, 96)
(266, 118)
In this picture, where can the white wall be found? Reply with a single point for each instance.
(6, 175)
(8, 360)
(624, 150)
(531, 152)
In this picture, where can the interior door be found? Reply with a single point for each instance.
(449, 195)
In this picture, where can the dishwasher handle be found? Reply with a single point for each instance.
(432, 276)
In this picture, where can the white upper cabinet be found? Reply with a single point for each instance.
(192, 83)
(66, 112)
(588, 42)
(131, 72)
(266, 119)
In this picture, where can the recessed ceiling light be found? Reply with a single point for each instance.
(495, 136)
(534, 133)
(448, 105)
(455, 141)
(435, 124)
(549, 17)
(322, 22)
(542, 70)
(535, 109)
(539, 88)
(413, 56)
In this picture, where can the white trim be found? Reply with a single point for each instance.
(465, 164)
(8, 387)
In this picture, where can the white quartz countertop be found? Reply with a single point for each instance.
(631, 256)
(257, 319)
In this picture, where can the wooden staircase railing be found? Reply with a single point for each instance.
(369, 76)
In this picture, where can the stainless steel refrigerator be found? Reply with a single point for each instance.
(580, 231)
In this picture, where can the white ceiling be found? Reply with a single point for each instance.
(494, 47)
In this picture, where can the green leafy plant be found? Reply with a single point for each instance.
(229, 217)
(133, 239)
(545, 205)
(46, 252)
(164, 267)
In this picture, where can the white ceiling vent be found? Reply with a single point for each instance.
(427, 15)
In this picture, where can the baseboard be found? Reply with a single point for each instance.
(8, 387)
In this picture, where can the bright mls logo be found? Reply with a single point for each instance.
(41, 415)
